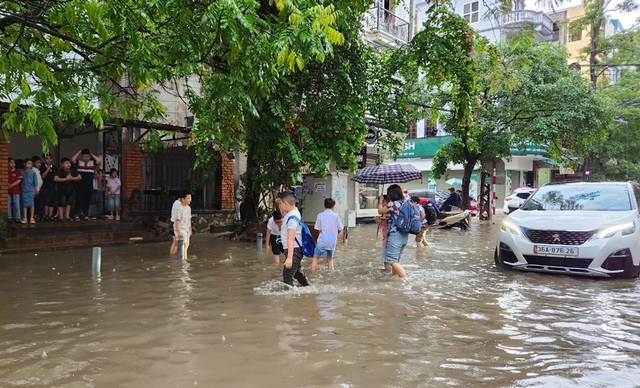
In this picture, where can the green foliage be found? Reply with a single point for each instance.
(494, 98)
(72, 61)
(619, 156)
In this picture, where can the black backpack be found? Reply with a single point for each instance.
(430, 213)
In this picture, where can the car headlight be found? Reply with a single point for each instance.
(625, 229)
(508, 226)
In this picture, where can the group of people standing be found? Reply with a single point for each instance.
(41, 191)
(288, 240)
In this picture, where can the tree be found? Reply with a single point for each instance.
(496, 98)
(64, 61)
(316, 116)
(620, 154)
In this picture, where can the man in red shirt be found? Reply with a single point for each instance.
(15, 178)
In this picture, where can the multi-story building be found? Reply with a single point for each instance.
(387, 24)
(427, 135)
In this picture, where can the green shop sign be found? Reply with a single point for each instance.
(426, 147)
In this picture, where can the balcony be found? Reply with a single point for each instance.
(542, 24)
(390, 26)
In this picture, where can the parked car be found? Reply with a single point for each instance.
(514, 200)
(586, 228)
(438, 195)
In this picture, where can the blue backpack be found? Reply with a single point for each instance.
(308, 245)
(408, 220)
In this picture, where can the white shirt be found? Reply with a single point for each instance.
(292, 224)
(273, 227)
(174, 210)
(329, 224)
(184, 215)
(39, 177)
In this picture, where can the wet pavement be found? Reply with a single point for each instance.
(223, 319)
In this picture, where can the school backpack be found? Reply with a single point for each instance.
(408, 219)
(308, 243)
(430, 213)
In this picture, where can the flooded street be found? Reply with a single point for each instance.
(222, 319)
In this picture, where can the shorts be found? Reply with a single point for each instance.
(423, 230)
(319, 252)
(276, 244)
(395, 247)
(96, 196)
(66, 198)
(49, 196)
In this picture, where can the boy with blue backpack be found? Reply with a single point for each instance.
(292, 240)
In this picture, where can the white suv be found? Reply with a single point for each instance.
(589, 229)
(514, 200)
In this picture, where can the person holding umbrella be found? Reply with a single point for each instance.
(397, 241)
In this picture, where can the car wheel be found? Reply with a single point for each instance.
(497, 260)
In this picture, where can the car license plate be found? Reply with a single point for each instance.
(555, 250)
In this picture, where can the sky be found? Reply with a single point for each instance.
(628, 19)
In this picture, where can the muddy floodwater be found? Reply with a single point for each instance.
(223, 319)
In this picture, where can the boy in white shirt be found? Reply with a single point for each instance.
(182, 225)
(273, 238)
(291, 240)
(329, 224)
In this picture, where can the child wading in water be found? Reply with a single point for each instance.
(274, 235)
(291, 240)
(329, 224)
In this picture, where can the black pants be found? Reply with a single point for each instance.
(295, 272)
(83, 200)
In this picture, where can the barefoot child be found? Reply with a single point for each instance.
(274, 238)
(329, 224)
(420, 238)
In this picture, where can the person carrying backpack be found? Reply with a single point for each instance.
(397, 241)
(292, 240)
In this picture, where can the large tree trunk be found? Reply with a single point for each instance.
(466, 182)
(249, 205)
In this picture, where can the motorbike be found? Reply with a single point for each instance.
(453, 219)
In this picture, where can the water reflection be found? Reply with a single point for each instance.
(222, 318)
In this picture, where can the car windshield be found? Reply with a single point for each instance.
(580, 197)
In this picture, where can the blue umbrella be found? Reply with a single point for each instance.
(455, 182)
(387, 173)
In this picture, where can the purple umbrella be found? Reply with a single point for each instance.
(387, 173)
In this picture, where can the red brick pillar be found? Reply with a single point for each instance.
(4, 178)
(226, 185)
(131, 174)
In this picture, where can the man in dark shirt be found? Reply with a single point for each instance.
(86, 166)
(452, 200)
(64, 179)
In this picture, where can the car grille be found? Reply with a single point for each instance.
(557, 237)
(558, 261)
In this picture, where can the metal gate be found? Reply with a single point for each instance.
(167, 172)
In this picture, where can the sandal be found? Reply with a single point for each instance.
(76, 219)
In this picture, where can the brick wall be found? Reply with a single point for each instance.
(131, 174)
(4, 181)
(226, 184)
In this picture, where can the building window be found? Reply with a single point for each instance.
(430, 127)
(556, 32)
(413, 131)
(575, 37)
(470, 12)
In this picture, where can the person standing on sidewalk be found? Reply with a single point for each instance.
(85, 166)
